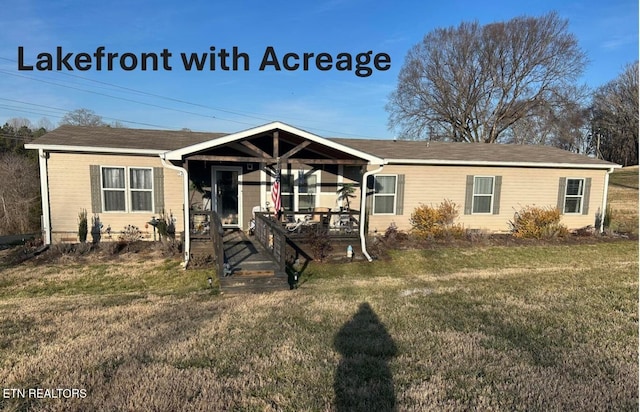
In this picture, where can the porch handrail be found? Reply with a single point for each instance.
(272, 237)
(212, 228)
(338, 223)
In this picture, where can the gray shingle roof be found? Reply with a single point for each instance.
(110, 137)
(393, 151)
(468, 152)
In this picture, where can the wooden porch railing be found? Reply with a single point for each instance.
(342, 224)
(272, 237)
(206, 225)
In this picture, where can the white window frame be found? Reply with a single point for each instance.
(394, 195)
(579, 196)
(127, 190)
(131, 190)
(492, 195)
(103, 189)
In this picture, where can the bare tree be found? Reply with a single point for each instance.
(564, 124)
(19, 194)
(45, 124)
(474, 83)
(614, 119)
(82, 117)
(18, 123)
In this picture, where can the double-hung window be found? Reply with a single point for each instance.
(127, 189)
(384, 194)
(114, 190)
(573, 197)
(483, 194)
(141, 188)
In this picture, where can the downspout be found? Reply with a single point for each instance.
(185, 184)
(604, 199)
(363, 212)
(44, 193)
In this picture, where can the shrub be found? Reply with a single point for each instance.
(607, 217)
(392, 235)
(96, 229)
(537, 223)
(130, 234)
(436, 222)
(82, 225)
(320, 244)
(166, 226)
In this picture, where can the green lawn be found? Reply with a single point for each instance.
(549, 327)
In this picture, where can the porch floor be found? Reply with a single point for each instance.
(252, 270)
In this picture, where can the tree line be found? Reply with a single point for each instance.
(20, 200)
(514, 82)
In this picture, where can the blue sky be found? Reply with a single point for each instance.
(328, 103)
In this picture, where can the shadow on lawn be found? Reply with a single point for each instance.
(363, 380)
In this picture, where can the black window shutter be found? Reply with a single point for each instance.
(96, 192)
(158, 189)
(468, 197)
(585, 198)
(562, 187)
(400, 195)
(368, 192)
(497, 187)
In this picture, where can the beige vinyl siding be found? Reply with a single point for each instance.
(70, 192)
(521, 187)
(250, 192)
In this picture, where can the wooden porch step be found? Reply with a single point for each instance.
(246, 274)
(252, 284)
(255, 267)
(253, 271)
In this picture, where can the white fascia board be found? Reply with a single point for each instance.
(436, 162)
(179, 153)
(92, 149)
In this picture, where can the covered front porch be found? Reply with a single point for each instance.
(233, 176)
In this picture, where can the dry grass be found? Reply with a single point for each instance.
(525, 328)
(623, 200)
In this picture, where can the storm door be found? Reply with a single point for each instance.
(228, 202)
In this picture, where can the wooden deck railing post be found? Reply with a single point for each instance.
(217, 233)
(272, 237)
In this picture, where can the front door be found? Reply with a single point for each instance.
(228, 202)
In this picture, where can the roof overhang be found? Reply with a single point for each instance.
(93, 149)
(179, 154)
(437, 162)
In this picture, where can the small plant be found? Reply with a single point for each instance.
(166, 226)
(96, 229)
(346, 192)
(82, 225)
(607, 217)
(436, 222)
(392, 235)
(130, 234)
(533, 222)
(320, 244)
(171, 248)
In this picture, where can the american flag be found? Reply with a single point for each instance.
(275, 194)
